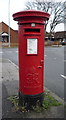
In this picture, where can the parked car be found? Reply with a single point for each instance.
(63, 42)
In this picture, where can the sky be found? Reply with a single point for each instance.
(16, 6)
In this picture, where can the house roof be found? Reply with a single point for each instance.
(61, 34)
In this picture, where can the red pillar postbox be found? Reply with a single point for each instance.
(31, 54)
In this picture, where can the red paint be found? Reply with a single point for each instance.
(31, 66)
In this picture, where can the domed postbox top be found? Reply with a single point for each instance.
(30, 15)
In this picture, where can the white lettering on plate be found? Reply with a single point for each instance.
(32, 46)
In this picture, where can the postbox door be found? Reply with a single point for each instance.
(32, 66)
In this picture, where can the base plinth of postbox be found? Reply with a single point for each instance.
(31, 100)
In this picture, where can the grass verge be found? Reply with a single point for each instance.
(47, 103)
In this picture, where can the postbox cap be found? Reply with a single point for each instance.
(30, 13)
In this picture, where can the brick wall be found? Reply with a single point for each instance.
(13, 34)
(0, 27)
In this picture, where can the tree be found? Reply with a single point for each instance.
(57, 15)
(55, 9)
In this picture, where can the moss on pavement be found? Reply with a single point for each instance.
(47, 103)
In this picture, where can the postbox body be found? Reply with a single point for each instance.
(31, 59)
(31, 51)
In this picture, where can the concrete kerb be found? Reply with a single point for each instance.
(56, 45)
(52, 94)
(13, 63)
(55, 96)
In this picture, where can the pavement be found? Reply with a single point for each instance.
(9, 85)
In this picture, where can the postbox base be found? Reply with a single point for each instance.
(31, 100)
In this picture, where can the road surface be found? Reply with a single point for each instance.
(54, 66)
